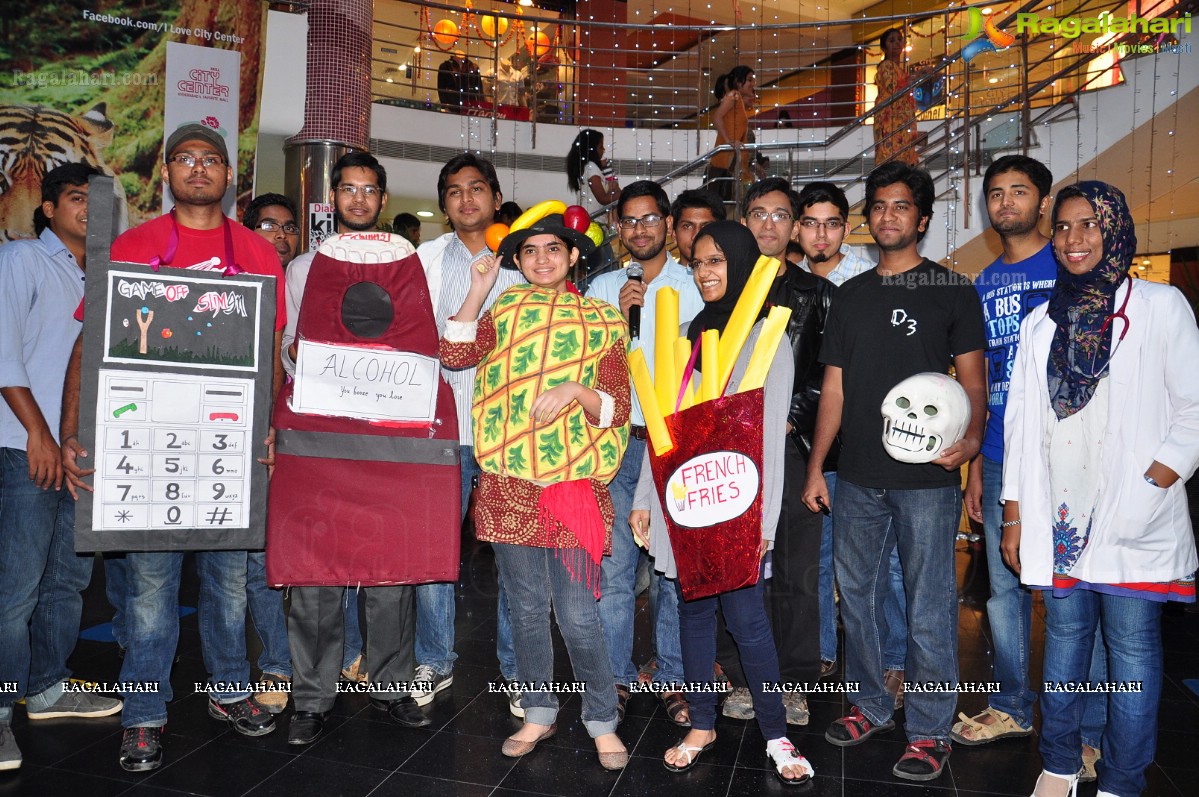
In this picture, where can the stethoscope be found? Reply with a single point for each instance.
(1107, 323)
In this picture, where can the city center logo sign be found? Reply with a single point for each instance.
(984, 36)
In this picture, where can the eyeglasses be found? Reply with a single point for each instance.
(648, 221)
(713, 262)
(190, 161)
(368, 191)
(832, 225)
(274, 226)
(777, 216)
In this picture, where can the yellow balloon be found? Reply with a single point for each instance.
(446, 33)
(493, 27)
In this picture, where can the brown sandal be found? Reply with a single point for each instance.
(622, 702)
(973, 731)
(677, 708)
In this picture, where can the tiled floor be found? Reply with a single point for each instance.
(364, 754)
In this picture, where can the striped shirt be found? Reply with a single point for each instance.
(448, 260)
(851, 265)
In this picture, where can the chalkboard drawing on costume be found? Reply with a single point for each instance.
(173, 317)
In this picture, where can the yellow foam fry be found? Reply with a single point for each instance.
(655, 426)
(682, 354)
(709, 363)
(736, 331)
(764, 349)
(666, 331)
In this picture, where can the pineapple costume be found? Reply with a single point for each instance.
(543, 339)
(545, 485)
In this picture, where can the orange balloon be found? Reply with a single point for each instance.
(493, 27)
(495, 235)
(445, 32)
(538, 45)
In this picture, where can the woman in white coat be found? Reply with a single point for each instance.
(1101, 431)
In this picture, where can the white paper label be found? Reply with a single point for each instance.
(364, 383)
(711, 489)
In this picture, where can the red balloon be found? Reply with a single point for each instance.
(577, 218)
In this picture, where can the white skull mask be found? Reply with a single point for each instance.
(922, 416)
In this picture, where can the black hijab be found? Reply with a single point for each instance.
(741, 253)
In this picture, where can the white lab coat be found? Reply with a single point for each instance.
(1140, 533)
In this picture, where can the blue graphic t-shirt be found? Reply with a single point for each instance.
(1008, 293)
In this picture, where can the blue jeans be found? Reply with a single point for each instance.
(435, 609)
(828, 599)
(153, 628)
(537, 580)
(1009, 610)
(1132, 629)
(895, 618)
(435, 604)
(871, 523)
(618, 597)
(41, 579)
(745, 617)
(116, 589)
(266, 611)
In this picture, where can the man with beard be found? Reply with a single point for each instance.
(823, 224)
(468, 192)
(643, 213)
(195, 235)
(1016, 189)
(358, 196)
(316, 641)
(907, 316)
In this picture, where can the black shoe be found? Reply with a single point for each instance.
(248, 718)
(305, 727)
(141, 749)
(404, 711)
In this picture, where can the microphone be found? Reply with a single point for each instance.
(635, 272)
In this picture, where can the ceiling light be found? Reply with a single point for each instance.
(425, 214)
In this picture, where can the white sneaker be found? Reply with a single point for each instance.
(427, 682)
(514, 706)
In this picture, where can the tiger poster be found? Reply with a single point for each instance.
(91, 81)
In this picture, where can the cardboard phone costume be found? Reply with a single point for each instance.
(175, 394)
(367, 479)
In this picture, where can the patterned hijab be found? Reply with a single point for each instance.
(1080, 304)
(741, 253)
